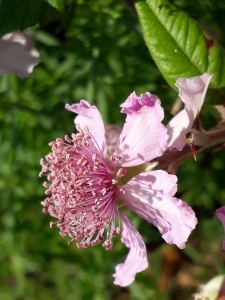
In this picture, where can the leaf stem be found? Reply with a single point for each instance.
(172, 159)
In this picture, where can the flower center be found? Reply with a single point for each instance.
(82, 188)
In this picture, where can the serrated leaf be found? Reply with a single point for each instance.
(179, 46)
(22, 14)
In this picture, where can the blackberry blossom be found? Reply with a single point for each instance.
(18, 54)
(84, 183)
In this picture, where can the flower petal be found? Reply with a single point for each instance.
(192, 92)
(150, 196)
(90, 116)
(17, 54)
(220, 212)
(136, 260)
(144, 137)
(177, 129)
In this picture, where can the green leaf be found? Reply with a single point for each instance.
(179, 47)
(22, 14)
(60, 4)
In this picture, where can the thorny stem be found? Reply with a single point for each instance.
(200, 139)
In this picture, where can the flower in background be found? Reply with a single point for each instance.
(212, 290)
(84, 185)
(17, 54)
(220, 212)
(192, 92)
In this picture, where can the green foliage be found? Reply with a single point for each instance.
(60, 4)
(21, 14)
(179, 46)
(95, 53)
(79, 61)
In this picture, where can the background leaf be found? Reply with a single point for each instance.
(60, 4)
(21, 14)
(179, 46)
(98, 55)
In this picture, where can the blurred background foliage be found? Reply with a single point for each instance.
(96, 52)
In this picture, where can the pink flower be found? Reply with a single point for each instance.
(192, 92)
(17, 54)
(85, 185)
(220, 212)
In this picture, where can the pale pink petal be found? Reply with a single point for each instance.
(17, 54)
(90, 117)
(177, 129)
(136, 260)
(144, 137)
(150, 196)
(220, 212)
(192, 92)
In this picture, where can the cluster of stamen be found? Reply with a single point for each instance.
(81, 187)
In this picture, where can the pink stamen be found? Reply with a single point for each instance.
(82, 190)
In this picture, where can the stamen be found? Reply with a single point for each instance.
(82, 185)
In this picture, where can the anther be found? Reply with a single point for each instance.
(121, 172)
(68, 139)
(107, 245)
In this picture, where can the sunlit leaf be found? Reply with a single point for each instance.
(179, 46)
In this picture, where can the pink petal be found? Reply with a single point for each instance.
(17, 54)
(150, 196)
(136, 260)
(90, 117)
(192, 92)
(144, 137)
(220, 212)
(177, 129)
